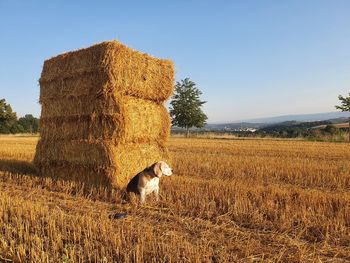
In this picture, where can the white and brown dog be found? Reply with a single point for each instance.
(147, 181)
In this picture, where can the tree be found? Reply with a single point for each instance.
(185, 109)
(29, 123)
(8, 118)
(344, 106)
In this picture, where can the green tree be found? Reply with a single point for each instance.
(344, 106)
(185, 109)
(8, 118)
(29, 123)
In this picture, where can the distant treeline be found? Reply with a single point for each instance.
(317, 130)
(10, 124)
(293, 129)
(329, 133)
(309, 130)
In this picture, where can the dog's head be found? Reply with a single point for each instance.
(162, 168)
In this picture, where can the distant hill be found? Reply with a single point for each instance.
(303, 121)
(301, 117)
(334, 117)
(237, 125)
(294, 125)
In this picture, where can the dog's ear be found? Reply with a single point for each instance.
(157, 169)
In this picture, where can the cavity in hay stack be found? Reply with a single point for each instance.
(103, 118)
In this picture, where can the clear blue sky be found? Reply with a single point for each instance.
(250, 58)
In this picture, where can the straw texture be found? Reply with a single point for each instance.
(103, 117)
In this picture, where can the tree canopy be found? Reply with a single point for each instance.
(185, 109)
(8, 118)
(29, 123)
(344, 106)
(344, 103)
(10, 124)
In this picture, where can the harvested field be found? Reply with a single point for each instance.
(228, 201)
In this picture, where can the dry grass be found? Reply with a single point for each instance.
(229, 201)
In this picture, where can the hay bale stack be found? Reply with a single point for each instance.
(103, 118)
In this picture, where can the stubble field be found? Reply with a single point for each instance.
(228, 201)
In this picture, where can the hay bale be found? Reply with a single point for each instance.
(100, 162)
(104, 67)
(103, 117)
(128, 119)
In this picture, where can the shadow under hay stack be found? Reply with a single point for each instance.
(103, 118)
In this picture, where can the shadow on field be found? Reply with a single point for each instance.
(18, 167)
(72, 186)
